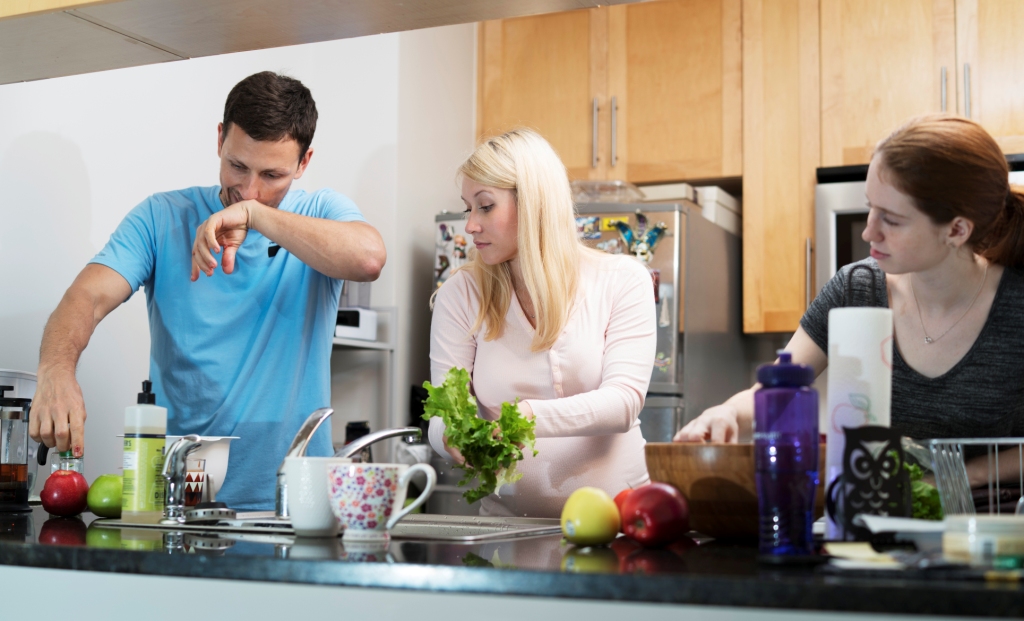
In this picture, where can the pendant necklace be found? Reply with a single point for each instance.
(929, 340)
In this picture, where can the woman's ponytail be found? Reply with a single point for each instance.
(1005, 243)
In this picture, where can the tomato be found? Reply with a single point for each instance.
(621, 498)
(654, 515)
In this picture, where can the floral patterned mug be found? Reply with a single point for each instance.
(368, 499)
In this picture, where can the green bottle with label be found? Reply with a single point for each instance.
(145, 440)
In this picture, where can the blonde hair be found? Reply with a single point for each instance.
(549, 248)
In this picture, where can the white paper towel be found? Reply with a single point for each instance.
(859, 379)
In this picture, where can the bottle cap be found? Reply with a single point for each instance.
(147, 396)
(785, 373)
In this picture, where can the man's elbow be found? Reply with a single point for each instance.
(371, 265)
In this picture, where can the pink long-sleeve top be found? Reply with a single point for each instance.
(586, 391)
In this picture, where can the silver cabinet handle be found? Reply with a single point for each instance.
(943, 80)
(615, 142)
(807, 272)
(967, 90)
(593, 150)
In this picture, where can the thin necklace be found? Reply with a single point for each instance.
(929, 340)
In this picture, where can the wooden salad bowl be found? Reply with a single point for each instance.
(717, 481)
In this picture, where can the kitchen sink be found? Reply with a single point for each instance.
(417, 527)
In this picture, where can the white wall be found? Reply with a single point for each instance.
(77, 153)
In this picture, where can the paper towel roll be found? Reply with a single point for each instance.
(859, 380)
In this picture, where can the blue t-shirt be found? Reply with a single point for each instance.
(244, 354)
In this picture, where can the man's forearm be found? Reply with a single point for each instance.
(344, 250)
(67, 332)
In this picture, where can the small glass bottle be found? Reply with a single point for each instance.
(785, 457)
(66, 460)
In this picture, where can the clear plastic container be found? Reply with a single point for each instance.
(586, 191)
(984, 540)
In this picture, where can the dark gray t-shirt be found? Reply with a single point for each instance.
(982, 396)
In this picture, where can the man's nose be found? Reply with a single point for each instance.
(249, 189)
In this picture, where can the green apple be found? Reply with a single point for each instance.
(590, 560)
(105, 495)
(97, 537)
(590, 517)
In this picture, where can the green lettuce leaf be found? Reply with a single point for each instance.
(924, 497)
(491, 457)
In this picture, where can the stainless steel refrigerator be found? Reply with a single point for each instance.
(696, 272)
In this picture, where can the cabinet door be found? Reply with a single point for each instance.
(990, 67)
(781, 147)
(538, 72)
(881, 63)
(675, 71)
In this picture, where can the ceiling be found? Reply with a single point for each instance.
(97, 37)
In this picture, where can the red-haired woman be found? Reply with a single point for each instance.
(947, 250)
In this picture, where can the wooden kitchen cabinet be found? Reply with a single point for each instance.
(675, 70)
(541, 72)
(781, 150)
(882, 62)
(990, 68)
(665, 78)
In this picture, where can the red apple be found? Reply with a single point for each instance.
(654, 515)
(650, 562)
(63, 531)
(65, 493)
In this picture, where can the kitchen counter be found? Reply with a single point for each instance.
(714, 573)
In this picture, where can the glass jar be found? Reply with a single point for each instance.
(66, 460)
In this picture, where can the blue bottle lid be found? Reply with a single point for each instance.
(785, 373)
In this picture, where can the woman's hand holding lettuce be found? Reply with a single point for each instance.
(491, 449)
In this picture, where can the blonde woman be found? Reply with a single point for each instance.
(536, 315)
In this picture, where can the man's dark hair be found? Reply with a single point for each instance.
(272, 107)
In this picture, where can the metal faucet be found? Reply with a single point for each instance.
(297, 449)
(174, 473)
(352, 449)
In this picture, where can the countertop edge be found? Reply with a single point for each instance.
(779, 591)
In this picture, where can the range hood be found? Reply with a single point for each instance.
(82, 37)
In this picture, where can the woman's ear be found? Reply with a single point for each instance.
(960, 230)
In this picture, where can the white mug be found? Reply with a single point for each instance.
(308, 503)
(368, 499)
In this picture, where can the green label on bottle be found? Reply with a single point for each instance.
(143, 482)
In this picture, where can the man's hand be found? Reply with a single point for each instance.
(58, 411)
(716, 424)
(224, 230)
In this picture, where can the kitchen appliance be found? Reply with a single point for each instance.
(695, 272)
(356, 323)
(842, 214)
(14, 459)
(450, 245)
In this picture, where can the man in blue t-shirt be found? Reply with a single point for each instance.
(243, 350)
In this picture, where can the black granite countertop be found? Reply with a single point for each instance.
(712, 573)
